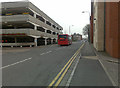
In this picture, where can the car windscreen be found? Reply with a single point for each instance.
(62, 36)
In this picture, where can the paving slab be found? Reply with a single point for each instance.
(89, 72)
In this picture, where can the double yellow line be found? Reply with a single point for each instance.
(56, 81)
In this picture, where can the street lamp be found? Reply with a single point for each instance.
(87, 12)
(89, 23)
(69, 29)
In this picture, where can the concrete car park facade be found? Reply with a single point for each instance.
(23, 24)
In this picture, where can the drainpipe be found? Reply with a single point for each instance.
(104, 21)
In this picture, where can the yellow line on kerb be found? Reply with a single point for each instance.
(71, 59)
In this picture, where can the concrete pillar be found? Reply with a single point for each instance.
(45, 41)
(45, 31)
(35, 27)
(99, 27)
(35, 40)
(56, 40)
(35, 15)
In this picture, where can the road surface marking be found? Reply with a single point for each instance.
(113, 83)
(60, 79)
(48, 52)
(15, 63)
(64, 69)
(69, 80)
(60, 72)
(42, 53)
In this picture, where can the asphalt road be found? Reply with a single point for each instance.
(36, 66)
(53, 65)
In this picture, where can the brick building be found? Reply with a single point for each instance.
(76, 37)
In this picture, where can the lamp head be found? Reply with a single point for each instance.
(83, 11)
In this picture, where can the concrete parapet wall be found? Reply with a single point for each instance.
(28, 32)
(16, 44)
(26, 18)
(99, 26)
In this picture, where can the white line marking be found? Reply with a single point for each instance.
(45, 53)
(42, 53)
(15, 63)
(48, 52)
(69, 80)
(113, 83)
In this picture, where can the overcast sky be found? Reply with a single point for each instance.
(65, 12)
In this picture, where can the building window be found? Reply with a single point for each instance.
(40, 18)
(48, 31)
(57, 28)
(48, 23)
(8, 40)
(41, 29)
(53, 26)
(25, 39)
(54, 33)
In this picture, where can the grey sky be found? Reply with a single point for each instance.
(65, 12)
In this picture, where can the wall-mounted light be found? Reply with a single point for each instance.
(95, 19)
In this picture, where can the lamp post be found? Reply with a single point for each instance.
(87, 12)
(89, 23)
(69, 29)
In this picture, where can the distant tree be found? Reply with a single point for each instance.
(86, 30)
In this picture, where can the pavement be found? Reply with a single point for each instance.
(110, 65)
(95, 69)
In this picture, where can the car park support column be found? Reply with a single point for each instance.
(56, 40)
(45, 41)
(51, 41)
(35, 40)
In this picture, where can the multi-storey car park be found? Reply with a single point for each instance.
(23, 24)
